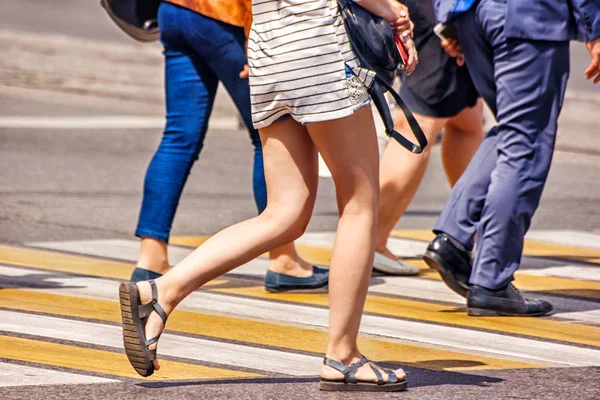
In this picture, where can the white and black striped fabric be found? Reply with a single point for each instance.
(297, 51)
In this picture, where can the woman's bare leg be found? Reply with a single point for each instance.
(292, 180)
(400, 177)
(462, 136)
(349, 148)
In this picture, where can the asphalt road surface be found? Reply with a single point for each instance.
(73, 153)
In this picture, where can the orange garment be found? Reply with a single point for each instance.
(234, 12)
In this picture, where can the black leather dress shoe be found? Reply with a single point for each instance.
(507, 302)
(453, 264)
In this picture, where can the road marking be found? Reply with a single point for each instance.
(226, 354)
(451, 337)
(104, 122)
(449, 315)
(20, 375)
(129, 250)
(562, 285)
(573, 271)
(64, 262)
(531, 248)
(69, 263)
(90, 360)
(566, 237)
(256, 332)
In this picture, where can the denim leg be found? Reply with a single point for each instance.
(190, 92)
(530, 78)
(223, 47)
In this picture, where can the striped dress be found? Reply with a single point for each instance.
(297, 53)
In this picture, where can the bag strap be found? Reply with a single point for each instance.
(388, 121)
(378, 97)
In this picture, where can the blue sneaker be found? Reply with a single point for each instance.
(275, 282)
(140, 274)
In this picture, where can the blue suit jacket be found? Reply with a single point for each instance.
(554, 20)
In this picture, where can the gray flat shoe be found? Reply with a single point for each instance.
(393, 267)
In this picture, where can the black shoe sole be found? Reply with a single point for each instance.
(483, 312)
(296, 289)
(434, 261)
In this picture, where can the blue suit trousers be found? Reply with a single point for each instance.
(523, 82)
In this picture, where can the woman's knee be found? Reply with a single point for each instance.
(290, 220)
(361, 201)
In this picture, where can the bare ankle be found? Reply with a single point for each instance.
(284, 264)
(344, 354)
(153, 256)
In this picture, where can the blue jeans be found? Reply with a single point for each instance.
(199, 52)
(523, 81)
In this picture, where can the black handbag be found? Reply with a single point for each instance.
(137, 18)
(372, 40)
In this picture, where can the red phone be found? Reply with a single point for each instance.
(402, 49)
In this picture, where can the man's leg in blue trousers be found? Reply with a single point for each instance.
(530, 79)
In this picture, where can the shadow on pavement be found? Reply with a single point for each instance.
(33, 281)
(417, 377)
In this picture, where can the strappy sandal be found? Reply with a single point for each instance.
(134, 316)
(350, 383)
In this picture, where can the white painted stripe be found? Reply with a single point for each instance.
(171, 345)
(567, 238)
(402, 247)
(19, 375)
(410, 287)
(104, 122)
(454, 338)
(568, 271)
(584, 317)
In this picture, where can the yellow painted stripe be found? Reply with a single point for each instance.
(422, 311)
(55, 261)
(61, 262)
(104, 362)
(188, 241)
(531, 248)
(553, 285)
(256, 332)
(424, 235)
(540, 249)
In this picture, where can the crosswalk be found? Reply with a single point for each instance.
(60, 320)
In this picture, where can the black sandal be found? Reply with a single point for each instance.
(134, 317)
(350, 383)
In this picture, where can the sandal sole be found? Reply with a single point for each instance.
(340, 386)
(133, 330)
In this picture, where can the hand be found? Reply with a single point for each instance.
(245, 72)
(593, 71)
(413, 57)
(454, 49)
(403, 28)
(401, 23)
